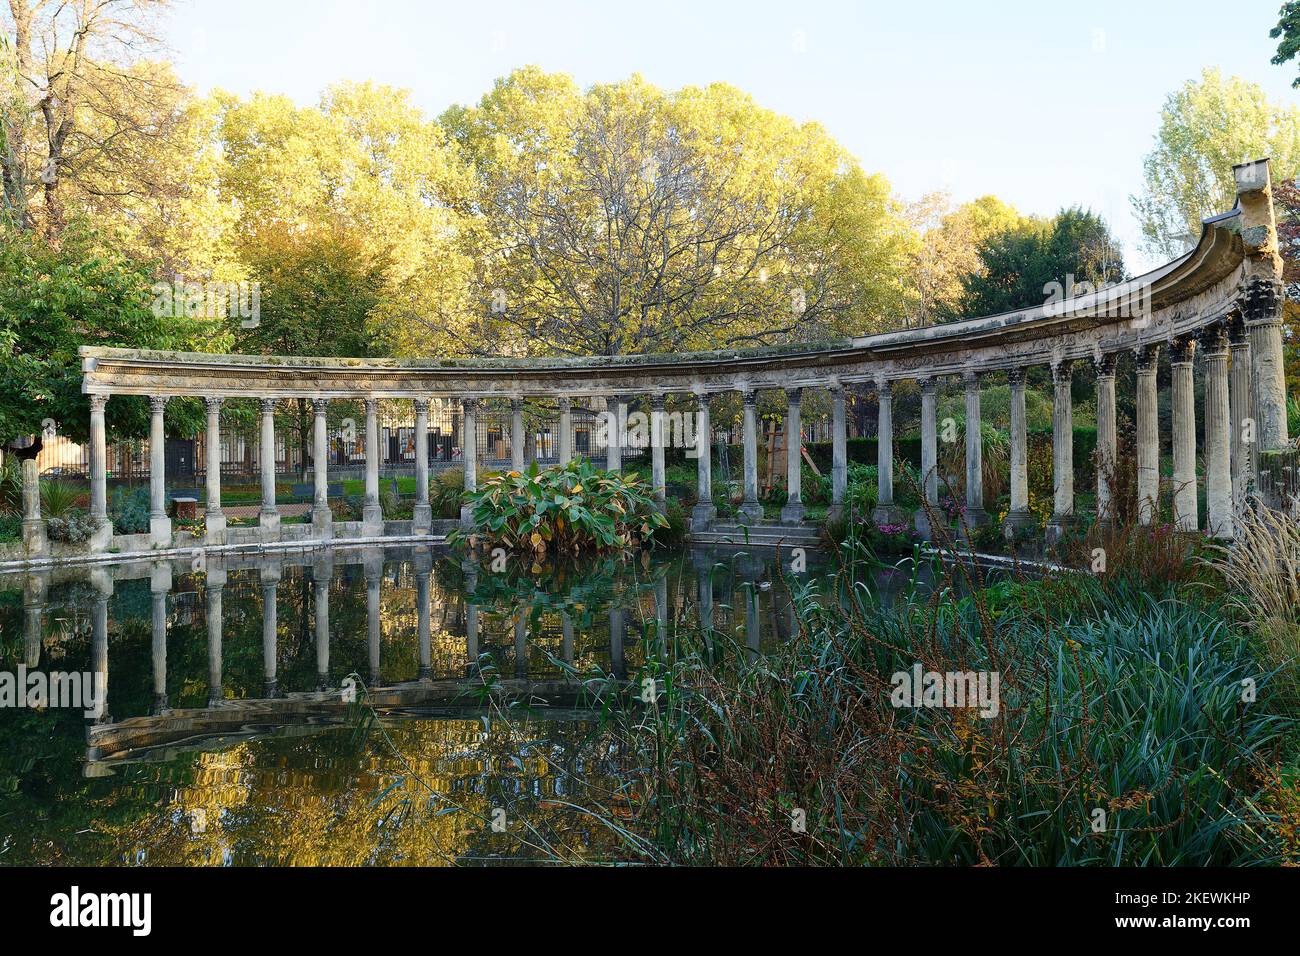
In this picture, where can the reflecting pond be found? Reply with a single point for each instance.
(229, 733)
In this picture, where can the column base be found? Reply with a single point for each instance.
(372, 520)
(269, 523)
(35, 541)
(322, 523)
(1058, 529)
(703, 515)
(467, 517)
(160, 531)
(751, 512)
(923, 526)
(889, 514)
(834, 513)
(1015, 521)
(976, 517)
(215, 522)
(102, 537)
(792, 512)
(421, 519)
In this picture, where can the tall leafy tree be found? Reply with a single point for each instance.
(1021, 266)
(1206, 127)
(626, 219)
(1288, 31)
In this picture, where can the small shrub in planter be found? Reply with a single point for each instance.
(129, 510)
(73, 528)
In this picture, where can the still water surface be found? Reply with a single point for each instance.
(227, 737)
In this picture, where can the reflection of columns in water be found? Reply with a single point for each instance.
(752, 641)
(617, 630)
(704, 582)
(320, 574)
(35, 589)
(422, 613)
(270, 625)
(521, 644)
(471, 617)
(215, 585)
(160, 582)
(103, 583)
(374, 579)
(661, 615)
(566, 644)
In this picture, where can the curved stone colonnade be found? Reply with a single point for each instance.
(1223, 296)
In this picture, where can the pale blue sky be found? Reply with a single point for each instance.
(1041, 103)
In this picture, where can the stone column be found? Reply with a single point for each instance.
(704, 512)
(160, 526)
(103, 533)
(372, 514)
(270, 575)
(516, 434)
(269, 517)
(1263, 309)
(214, 586)
(160, 583)
(1018, 515)
(839, 455)
(469, 457)
(320, 582)
(657, 482)
(1186, 517)
(213, 517)
(793, 510)
(750, 510)
(929, 454)
(1107, 440)
(322, 519)
(566, 430)
(422, 515)
(1062, 453)
(886, 511)
(1218, 440)
(1147, 359)
(35, 542)
(423, 567)
(1241, 428)
(616, 419)
(975, 513)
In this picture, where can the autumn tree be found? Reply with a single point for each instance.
(85, 109)
(625, 219)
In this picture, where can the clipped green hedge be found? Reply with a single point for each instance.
(863, 451)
